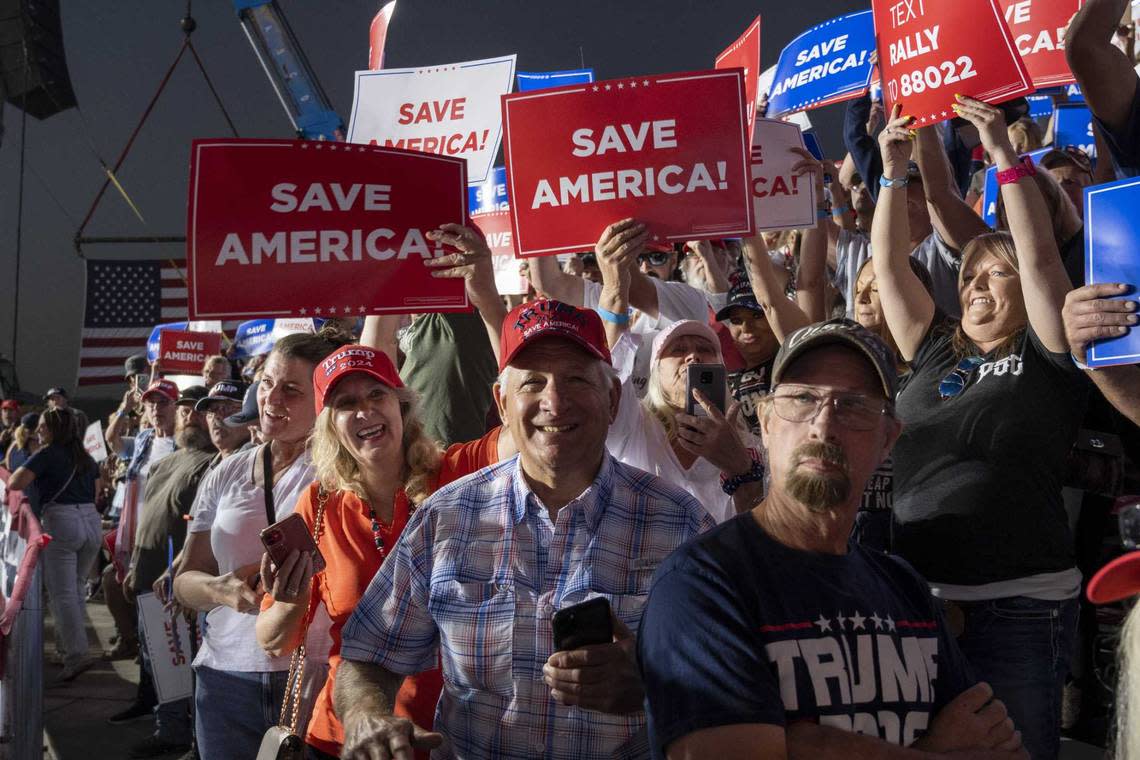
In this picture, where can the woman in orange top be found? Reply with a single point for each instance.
(374, 464)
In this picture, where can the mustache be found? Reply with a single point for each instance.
(826, 452)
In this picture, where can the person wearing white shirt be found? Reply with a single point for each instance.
(712, 456)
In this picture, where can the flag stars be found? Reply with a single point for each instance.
(644, 82)
(857, 621)
(596, 88)
(608, 88)
(890, 623)
(823, 623)
(304, 311)
(839, 620)
(621, 85)
(332, 310)
(362, 310)
(347, 309)
(317, 310)
(878, 621)
(633, 84)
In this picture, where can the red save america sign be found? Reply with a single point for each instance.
(930, 50)
(289, 228)
(745, 54)
(185, 351)
(1038, 28)
(669, 150)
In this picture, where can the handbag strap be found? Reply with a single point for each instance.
(291, 704)
(63, 488)
(267, 469)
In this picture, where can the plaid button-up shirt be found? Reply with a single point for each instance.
(476, 576)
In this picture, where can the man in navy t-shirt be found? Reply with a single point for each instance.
(769, 636)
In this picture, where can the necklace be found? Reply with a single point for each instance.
(377, 531)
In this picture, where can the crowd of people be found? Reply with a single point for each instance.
(867, 534)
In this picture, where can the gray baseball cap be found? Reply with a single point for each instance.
(843, 332)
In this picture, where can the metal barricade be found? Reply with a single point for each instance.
(21, 687)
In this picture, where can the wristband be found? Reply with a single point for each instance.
(898, 184)
(822, 213)
(1023, 169)
(840, 210)
(755, 474)
(609, 316)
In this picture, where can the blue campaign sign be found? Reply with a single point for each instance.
(253, 338)
(535, 80)
(1040, 106)
(490, 195)
(152, 341)
(990, 192)
(1112, 254)
(828, 63)
(811, 142)
(1072, 125)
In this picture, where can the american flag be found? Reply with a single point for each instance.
(125, 300)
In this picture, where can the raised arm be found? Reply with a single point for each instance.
(1107, 78)
(811, 276)
(907, 306)
(1044, 282)
(549, 280)
(955, 222)
(473, 264)
(861, 144)
(120, 419)
(617, 250)
(1094, 312)
(379, 332)
(784, 315)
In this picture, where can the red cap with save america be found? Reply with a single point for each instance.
(348, 359)
(544, 318)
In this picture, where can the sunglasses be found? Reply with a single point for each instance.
(954, 383)
(655, 259)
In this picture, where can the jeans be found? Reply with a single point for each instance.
(171, 719)
(234, 709)
(75, 540)
(1022, 647)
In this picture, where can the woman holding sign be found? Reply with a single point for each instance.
(991, 410)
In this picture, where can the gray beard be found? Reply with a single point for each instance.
(193, 438)
(819, 492)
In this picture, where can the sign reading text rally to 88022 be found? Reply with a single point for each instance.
(288, 228)
(930, 50)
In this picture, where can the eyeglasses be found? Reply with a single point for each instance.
(1129, 520)
(954, 383)
(801, 404)
(655, 259)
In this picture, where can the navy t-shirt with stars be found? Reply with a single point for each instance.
(742, 629)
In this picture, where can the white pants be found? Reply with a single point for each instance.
(76, 536)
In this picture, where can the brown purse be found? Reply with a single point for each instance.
(281, 742)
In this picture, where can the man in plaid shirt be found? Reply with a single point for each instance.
(485, 562)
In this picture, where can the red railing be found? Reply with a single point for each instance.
(25, 523)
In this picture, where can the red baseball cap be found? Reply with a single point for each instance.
(659, 247)
(9, 403)
(347, 360)
(164, 388)
(1117, 580)
(545, 318)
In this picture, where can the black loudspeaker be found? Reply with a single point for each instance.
(33, 68)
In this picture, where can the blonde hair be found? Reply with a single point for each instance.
(1127, 740)
(338, 470)
(1030, 134)
(1000, 244)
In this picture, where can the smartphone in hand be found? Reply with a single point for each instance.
(583, 624)
(284, 536)
(709, 379)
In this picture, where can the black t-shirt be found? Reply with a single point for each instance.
(748, 387)
(742, 629)
(53, 467)
(977, 488)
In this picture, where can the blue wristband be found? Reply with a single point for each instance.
(895, 183)
(840, 209)
(609, 316)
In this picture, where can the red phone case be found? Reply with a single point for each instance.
(284, 536)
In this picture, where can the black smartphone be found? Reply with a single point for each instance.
(709, 379)
(583, 624)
